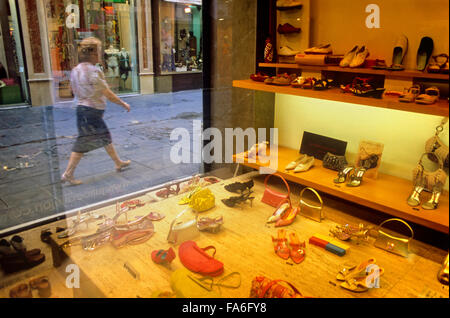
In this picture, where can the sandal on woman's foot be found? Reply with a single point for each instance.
(163, 256)
(123, 165)
(70, 179)
(280, 245)
(297, 248)
(351, 270)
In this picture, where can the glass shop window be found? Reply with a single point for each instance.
(180, 30)
(111, 21)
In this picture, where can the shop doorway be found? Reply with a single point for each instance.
(111, 21)
(13, 82)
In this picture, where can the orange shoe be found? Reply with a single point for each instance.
(297, 251)
(280, 245)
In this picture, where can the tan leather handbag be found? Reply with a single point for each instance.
(181, 231)
(391, 243)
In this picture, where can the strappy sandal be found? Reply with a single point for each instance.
(239, 187)
(360, 284)
(298, 82)
(280, 245)
(430, 97)
(437, 63)
(322, 84)
(297, 251)
(411, 95)
(350, 270)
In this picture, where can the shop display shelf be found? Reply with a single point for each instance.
(387, 193)
(441, 108)
(406, 74)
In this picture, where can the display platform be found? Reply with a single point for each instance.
(244, 245)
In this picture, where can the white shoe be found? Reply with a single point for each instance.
(287, 51)
(305, 165)
(360, 57)
(295, 163)
(348, 57)
(321, 49)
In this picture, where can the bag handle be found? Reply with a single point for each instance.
(397, 220)
(208, 248)
(284, 180)
(273, 282)
(316, 194)
(441, 164)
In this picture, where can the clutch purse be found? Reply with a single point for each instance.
(391, 243)
(273, 197)
(333, 162)
(182, 231)
(202, 200)
(197, 260)
(314, 212)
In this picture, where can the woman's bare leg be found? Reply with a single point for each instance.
(115, 157)
(74, 159)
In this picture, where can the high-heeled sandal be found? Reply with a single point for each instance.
(239, 187)
(280, 245)
(351, 270)
(342, 175)
(361, 284)
(414, 198)
(233, 201)
(288, 217)
(356, 177)
(297, 251)
(163, 257)
(432, 204)
(210, 224)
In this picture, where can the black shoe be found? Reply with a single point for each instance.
(239, 187)
(424, 52)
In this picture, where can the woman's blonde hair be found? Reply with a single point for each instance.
(88, 48)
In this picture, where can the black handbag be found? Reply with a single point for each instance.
(333, 162)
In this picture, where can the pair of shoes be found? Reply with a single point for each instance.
(231, 202)
(163, 257)
(347, 231)
(410, 95)
(70, 179)
(42, 284)
(354, 175)
(439, 64)
(321, 85)
(284, 214)
(321, 49)
(414, 198)
(298, 82)
(362, 88)
(360, 278)
(123, 165)
(210, 224)
(168, 190)
(15, 257)
(355, 57)
(301, 164)
(430, 96)
(295, 250)
(287, 51)
(288, 28)
(239, 187)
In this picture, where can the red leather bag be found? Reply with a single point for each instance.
(197, 260)
(273, 197)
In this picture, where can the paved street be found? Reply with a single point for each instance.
(37, 142)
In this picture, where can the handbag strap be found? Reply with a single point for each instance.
(397, 220)
(274, 282)
(441, 164)
(208, 248)
(316, 194)
(440, 128)
(284, 180)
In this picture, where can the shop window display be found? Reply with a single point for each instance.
(180, 36)
(113, 22)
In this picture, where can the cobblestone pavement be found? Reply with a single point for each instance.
(35, 144)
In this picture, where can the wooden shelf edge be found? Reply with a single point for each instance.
(390, 74)
(441, 108)
(360, 199)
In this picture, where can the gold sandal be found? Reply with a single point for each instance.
(350, 270)
(363, 284)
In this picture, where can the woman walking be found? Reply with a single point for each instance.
(91, 92)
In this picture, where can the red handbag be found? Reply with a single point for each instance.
(272, 197)
(197, 260)
(263, 287)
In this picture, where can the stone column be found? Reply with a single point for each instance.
(145, 47)
(35, 39)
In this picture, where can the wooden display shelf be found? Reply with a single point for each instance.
(407, 74)
(441, 108)
(387, 193)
